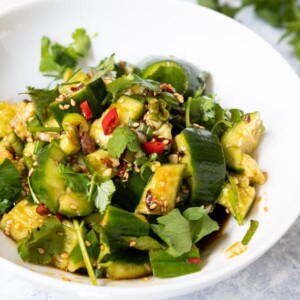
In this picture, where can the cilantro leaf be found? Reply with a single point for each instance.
(41, 99)
(103, 195)
(127, 81)
(55, 58)
(42, 243)
(200, 222)
(174, 230)
(77, 182)
(10, 185)
(4, 206)
(122, 138)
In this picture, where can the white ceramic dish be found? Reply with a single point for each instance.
(247, 73)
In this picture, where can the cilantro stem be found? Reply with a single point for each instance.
(33, 129)
(250, 232)
(234, 200)
(84, 253)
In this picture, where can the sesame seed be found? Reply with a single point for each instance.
(41, 220)
(121, 100)
(9, 221)
(153, 206)
(173, 158)
(87, 243)
(27, 154)
(135, 124)
(64, 255)
(185, 191)
(35, 163)
(183, 148)
(41, 251)
(115, 162)
(30, 172)
(72, 206)
(165, 203)
(59, 233)
(73, 102)
(61, 107)
(29, 140)
(178, 199)
(102, 247)
(66, 106)
(132, 244)
(107, 172)
(25, 202)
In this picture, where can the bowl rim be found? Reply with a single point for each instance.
(187, 285)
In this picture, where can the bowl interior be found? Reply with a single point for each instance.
(246, 72)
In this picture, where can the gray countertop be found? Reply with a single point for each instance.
(276, 275)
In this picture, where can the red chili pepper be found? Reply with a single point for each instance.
(42, 209)
(59, 217)
(110, 121)
(194, 260)
(154, 147)
(86, 111)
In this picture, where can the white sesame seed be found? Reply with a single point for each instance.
(64, 255)
(107, 172)
(132, 244)
(9, 221)
(66, 106)
(178, 199)
(135, 124)
(30, 172)
(121, 100)
(153, 206)
(61, 107)
(25, 202)
(72, 206)
(87, 243)
(40, 250)
(73, 102)
(59, 233)
(29, 140)
(165, 203)
(35, 163)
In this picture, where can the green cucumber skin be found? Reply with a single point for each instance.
(46, 163)
(93, 93)
(123, 223)
(193, 74)
(208, 165)
(166, 266)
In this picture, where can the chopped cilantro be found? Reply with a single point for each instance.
(103, 194)
(42, 243)
(77, 182)
(200, 223)
(55, 58)
(41, 99)
(10, 185)
(127, 81)
(174, 230)
(122, 138)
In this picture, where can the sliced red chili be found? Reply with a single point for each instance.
(59, 217)
(154, 147)
(86, 111)
(194, 260)
(42, 209)
(110, 121)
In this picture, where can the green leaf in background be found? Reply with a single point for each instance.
(278, 13)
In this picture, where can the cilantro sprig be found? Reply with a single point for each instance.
(278, 13)
(44, 242)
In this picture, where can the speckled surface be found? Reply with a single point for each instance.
(276, 275)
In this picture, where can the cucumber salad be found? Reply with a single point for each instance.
(117, 170)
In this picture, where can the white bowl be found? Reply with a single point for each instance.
(247, 73)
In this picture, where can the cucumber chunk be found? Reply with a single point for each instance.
(239, 142)
(205, 171)
(128, 264)
(159, 195)
(48, 185)
(21, 220)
